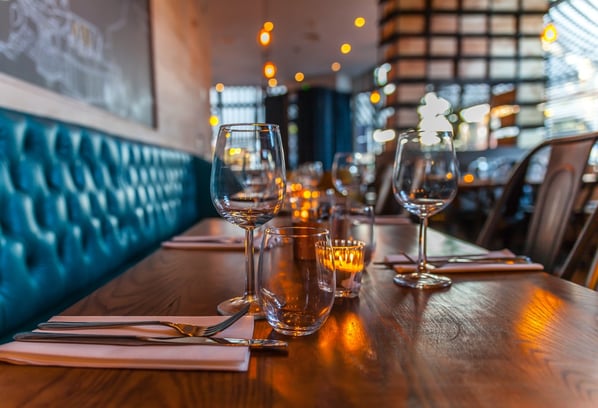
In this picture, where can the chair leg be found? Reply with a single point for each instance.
(585, 242)
(592, 278)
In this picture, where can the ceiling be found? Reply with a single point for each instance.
(307, 36)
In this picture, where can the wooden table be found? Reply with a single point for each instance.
(520, 339)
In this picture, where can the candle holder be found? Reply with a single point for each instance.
(348, 257)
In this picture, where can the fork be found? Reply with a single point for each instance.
(183, 328)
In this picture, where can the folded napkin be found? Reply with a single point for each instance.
(175, 357)
(392, 220)
(223, 242)
(403, 265)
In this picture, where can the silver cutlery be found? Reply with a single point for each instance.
(183, 328)
(208, 239)
(504, 260)
(475, 259)
(125, 340)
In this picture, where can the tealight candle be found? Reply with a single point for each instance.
(348, 258)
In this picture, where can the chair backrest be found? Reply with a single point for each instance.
(555, 199)
(584, 254)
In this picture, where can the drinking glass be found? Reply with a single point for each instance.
(352, 173)
(296, 278)
(247, 187)
(425, 176)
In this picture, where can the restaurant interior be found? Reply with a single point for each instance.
(123, 148)
(502, 75)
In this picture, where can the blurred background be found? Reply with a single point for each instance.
(348, 75)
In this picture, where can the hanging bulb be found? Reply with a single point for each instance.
(269, 70)
(549, 33)
(264, 37)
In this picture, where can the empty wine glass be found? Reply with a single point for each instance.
(309, 174)
(352, 173)
(247, 187)
(425, 176)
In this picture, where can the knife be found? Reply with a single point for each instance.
(216, 239)
(464, 259)
(126, 340)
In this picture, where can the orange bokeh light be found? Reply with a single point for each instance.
(264, 37)
(468, 178)
(269, 70)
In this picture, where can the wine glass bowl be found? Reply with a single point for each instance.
(309, 174)
(352, 173)
(247, 187)
(425, 176)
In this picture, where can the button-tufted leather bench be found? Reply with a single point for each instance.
(78, 206)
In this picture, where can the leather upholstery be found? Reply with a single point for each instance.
(77, 205)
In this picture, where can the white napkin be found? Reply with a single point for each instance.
(223, 242)
(176, 357)
(403, 264)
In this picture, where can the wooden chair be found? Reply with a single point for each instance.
(554, 202)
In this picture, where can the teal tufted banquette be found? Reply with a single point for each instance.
(78, 206)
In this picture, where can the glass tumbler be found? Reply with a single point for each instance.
(296, 279)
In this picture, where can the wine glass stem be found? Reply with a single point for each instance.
(422, 259)
(249, 265)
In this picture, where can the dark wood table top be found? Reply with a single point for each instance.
(518, 339)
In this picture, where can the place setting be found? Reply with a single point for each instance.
(247, 189)
(502, 260)
(425, 178)
(302, 268)
(140, 342)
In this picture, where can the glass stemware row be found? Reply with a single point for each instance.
(248, 184)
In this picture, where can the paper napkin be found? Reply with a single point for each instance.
(403, 265)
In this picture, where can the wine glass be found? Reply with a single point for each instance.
(247, 187)
(309, 174)
(352, 173)
(425, 176)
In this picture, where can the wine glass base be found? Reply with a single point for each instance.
(232, 306)
(422, 280)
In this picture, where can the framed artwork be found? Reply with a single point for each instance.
(99, 52)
